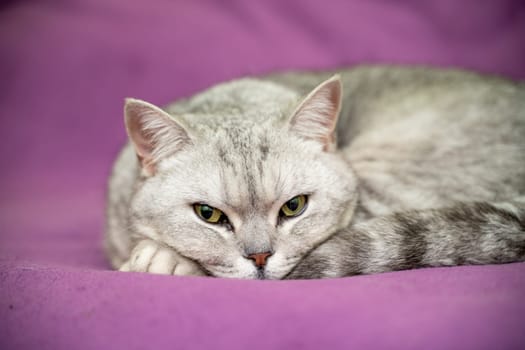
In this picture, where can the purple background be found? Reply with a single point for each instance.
(65, 68)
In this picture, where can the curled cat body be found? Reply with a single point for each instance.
(318, 174)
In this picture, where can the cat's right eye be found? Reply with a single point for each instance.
(210, 214)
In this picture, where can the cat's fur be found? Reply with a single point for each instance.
(425, 168)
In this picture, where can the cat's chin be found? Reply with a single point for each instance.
(256, 275)
(278, 267)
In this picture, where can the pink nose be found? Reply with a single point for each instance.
(260, 258)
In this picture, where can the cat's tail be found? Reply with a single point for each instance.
(464, 234)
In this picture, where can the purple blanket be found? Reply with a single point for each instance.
(65, 68)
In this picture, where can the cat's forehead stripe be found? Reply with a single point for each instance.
(252, 181)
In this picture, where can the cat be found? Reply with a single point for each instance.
(289, 176)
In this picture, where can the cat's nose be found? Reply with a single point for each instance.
(260, 258)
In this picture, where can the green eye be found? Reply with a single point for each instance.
(209, 214)
(294, 207)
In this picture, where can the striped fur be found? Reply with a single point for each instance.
(463, 234)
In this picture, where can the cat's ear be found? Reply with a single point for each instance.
(153, 132)
(316, 116)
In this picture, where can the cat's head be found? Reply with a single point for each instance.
(247, 174)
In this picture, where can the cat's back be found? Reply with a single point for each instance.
(392, 96)
(420, 136)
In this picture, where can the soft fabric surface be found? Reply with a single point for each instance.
(65, 67)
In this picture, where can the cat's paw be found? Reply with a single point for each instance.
(149, 256)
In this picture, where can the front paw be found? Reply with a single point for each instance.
(149, 256)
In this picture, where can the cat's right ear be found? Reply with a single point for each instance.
(316, 116)
(153, 133)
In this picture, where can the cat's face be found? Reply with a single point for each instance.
(246, 188)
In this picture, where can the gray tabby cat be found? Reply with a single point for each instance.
(252, 179)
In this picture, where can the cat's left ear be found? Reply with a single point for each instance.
(316, 117)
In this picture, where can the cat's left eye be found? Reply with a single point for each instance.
(210, 214)
(294, 207)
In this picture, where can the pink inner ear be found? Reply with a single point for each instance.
(143, 144)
